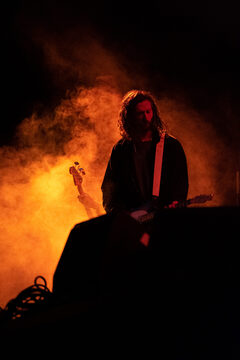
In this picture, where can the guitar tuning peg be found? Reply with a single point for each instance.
(82, 171)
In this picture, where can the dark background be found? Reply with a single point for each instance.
(187, 47)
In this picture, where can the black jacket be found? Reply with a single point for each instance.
(120, 187)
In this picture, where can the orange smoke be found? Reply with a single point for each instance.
(39, 203)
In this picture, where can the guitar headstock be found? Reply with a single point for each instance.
(77, 172)
(78, 168)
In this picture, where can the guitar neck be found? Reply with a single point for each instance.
(180, 204)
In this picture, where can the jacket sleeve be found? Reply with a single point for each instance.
(110, 186)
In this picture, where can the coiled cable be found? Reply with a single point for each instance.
(33, 298)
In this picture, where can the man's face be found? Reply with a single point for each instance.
(144, 114)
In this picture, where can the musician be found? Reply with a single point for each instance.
(128, 180)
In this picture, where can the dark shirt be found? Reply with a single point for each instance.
(143, 157)
(128, 179)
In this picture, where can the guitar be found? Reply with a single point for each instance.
(147, 213)
(89, 204)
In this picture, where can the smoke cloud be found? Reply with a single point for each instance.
(39, 203)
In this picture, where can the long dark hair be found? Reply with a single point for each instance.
(129, 102)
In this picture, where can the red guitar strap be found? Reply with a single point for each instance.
(158, 166)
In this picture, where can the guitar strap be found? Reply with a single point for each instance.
(158, 166)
